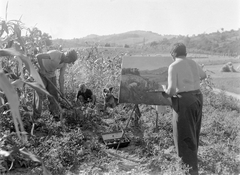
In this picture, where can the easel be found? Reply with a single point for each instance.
(157, 114)
(136, 108)
(129, 119)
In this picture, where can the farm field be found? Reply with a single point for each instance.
(228, 81)
(213, 59)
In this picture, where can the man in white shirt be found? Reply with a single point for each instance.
(184, 76)
(49, 62)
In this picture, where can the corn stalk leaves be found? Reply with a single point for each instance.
(33, 72)
(2, 94)
(1, 102)
(20, 41)
(30, 155)
(20, 68)
(18, 83)
(6, 11)
(9, 52)
(36, 86)
(5, 27)
(17, 30)
(5, 153)
(5, 40)
(45, 171)
(35, 158)
(1, 31)
(13, 100)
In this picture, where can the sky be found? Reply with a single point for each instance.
(68, 19)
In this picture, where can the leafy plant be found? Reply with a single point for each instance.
(96, 69)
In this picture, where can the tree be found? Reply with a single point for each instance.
(107, 45)
(126, 46)
(153, 44)
(165, 41)
(47, 39)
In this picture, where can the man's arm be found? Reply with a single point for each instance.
(202, 74)
(77, 95)
(61, 79)
(90, 94)
(172, 82)
(40, 57)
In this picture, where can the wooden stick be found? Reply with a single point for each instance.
(124, 130)
(156, 120)
(58, 92)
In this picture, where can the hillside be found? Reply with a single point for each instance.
(159, 71)
(220, 42)
(137, 37)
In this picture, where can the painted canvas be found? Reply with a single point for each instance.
(142, 78)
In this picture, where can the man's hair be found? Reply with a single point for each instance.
(179, 49)
(82, 86)
(72, 54)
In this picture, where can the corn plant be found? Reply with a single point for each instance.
(96, 69)
(13, 60)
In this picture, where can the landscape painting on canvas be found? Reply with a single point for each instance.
(142, 78)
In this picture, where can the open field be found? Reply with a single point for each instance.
(229, 81)
(214, 60)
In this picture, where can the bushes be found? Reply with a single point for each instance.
(220, 141)
(221, 101)
(61, 152)
(220, 133)
(95, 69)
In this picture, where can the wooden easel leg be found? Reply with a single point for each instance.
(160, 110)
(156, 129)
(124, 130)
(137, 115)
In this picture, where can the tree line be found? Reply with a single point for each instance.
(224, 42)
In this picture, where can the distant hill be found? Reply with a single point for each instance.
(220, 42)
(159, 71)
(130, 38)
(157, 75)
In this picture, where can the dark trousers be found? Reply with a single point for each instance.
(187, 117)
(52, 103)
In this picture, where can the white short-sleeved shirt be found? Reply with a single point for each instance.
(52, 64)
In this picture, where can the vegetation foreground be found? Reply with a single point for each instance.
(79, 150)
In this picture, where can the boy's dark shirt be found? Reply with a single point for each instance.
(86, 95)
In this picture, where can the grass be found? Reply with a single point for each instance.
(228, 81)
(215, 60)
(228, 84)
(151, 151)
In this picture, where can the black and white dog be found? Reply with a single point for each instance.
(109, 99)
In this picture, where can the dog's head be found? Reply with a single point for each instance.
(107, 92)
(109, 99)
